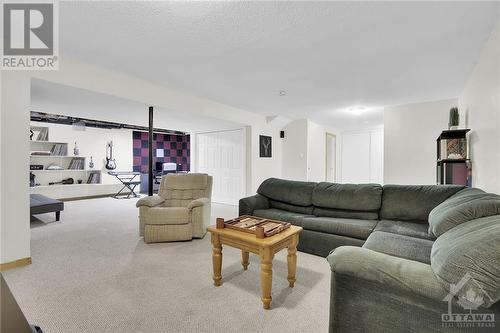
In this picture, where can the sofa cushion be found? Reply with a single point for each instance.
(167, 215)
(466, 205)
(357, 197)
(291, 208)
(321, 244)
(281, 215)
(401, 246)
(413, 202)
(469, 256)
(348, 214)
(346, 227)
(412, 229)
(287, 191)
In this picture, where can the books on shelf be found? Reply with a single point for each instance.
(43, 135)
(59, 149)
(94, 178)
(77, 163)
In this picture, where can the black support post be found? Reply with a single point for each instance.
(150, 154)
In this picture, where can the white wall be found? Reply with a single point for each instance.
(304, 151)
(14, 154)
(316, 152)
(479, 104)
(410, 133)
(264, 167)
(295, 150)
(92, 142)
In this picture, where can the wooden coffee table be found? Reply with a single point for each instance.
(265, 248)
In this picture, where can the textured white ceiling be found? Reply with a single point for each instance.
(326, 55)
(58, 99)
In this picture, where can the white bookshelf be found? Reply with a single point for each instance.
(75, 190)
(80, 187)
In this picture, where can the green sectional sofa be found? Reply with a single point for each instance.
(404, 258)
(334, 215)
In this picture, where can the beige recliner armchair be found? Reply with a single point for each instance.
(180, 212)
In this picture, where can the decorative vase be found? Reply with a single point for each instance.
(76, 150)
(454, 119)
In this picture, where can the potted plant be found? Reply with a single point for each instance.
(454, 119)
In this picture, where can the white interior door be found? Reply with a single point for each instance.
(363, 157)
(356, 158)
(222, 155)
(377, 157)
(331, 160)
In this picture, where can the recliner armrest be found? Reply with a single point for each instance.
(198, 203)
(389, 271)
(249, 204)
(150, 201)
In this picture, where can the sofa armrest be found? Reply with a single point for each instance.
(391, 272)
(150, 201)
(198, 203)
(200, 217)
(249, 204)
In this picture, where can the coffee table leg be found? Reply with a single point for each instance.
(292, 260)
(217, 259)
(266, 276)
(244, 259)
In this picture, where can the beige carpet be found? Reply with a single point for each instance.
(92, 273)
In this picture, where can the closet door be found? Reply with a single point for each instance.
(222, 155)
(377, 157)
(356, 158)
(363, 157)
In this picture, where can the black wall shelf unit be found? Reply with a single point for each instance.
(453, 164)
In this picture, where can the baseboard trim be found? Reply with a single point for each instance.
(14, 264)
(97, 196)
(88, 197)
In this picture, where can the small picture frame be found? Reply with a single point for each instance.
(265, 146)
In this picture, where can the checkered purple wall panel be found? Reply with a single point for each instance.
(176, 149)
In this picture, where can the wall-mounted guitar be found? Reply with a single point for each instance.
(67, 181)
(110, 161)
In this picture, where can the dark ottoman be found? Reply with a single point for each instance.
(40, 204)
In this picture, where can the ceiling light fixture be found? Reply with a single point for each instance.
(358, 110)
(282, 93)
